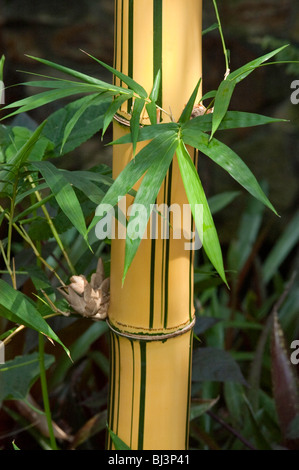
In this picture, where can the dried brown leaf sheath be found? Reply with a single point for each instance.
(89, 299)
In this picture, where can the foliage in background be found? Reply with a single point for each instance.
(47, 216)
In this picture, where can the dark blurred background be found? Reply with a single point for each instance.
(57, 29)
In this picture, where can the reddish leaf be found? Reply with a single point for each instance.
(285, 386)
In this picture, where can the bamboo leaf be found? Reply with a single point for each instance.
(227, 86)
(220, 201)
(242, 72)
(222, 100)
(20, 157)
(132, 84)
(231, 120)
(229, 161)
(186, 114)
(154, 94)
(91, 100)
(135, 122)
(196, 196)
(18, 308)
(19, 374)
(81, 76)
(64, 194)
(148, 132)
(90, 122)
(133, 172)
(146, 196)
(41, 99)
(115, 105)
(119, 444)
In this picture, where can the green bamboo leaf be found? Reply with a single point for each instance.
(19, 374)
(132, 84)
(91, 100)
(222, 100)
(44, 98)
(135, 121)
(90, 122)
(64, 194)
(154, 95)
(20, 157)
(210, 28)
(148, 132)
(242, 72)
(229, 161)
(18, 308)
(220, 201)
(231, 120)
(196, 195)
(115, 105)
(119, 444)
(81, 76)
(133, 171)
(186, 114)
(146, 196)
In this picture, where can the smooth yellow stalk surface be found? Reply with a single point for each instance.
(150, 380)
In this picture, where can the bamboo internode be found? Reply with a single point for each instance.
(150, 380)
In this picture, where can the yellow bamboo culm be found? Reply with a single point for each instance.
(151, 315)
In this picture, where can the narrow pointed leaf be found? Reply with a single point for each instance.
(152, 112)
(156, 87)
(245, 70)
(91, 100)
(44, 98)
(115, 105)
(196, 195)
(80, 76)
(148, 132)
(229, 161)
(132, 84)
(20, 157)
(64, 194)
(146, 195)
(231, 120)
(18, 308)
(133, 171)
(284, 381)
(222, 100)
(186, 114)
(135, 121)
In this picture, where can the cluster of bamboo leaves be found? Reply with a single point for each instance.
(167, 140)
(30, 183)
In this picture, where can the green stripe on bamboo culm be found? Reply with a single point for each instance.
(189, 391)
(133, 391)
(130, 47)
(142, 394)
(111, 386)
(157, 42)
(167, 250)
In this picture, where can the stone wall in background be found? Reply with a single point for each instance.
(58, 29)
